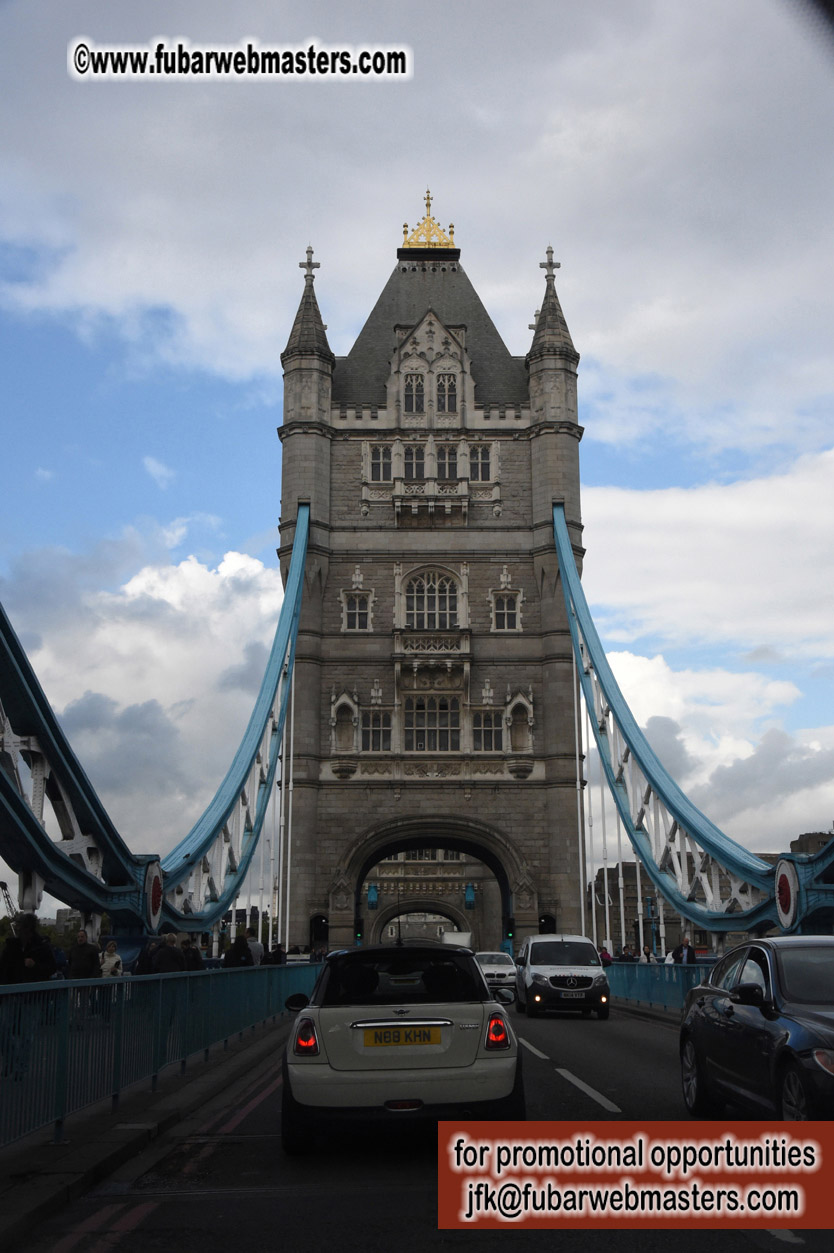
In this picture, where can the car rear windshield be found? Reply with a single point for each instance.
(808, 974)
(563, 953)
(399, 977)
(494, 959)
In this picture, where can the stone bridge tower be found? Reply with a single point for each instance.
(434, 703)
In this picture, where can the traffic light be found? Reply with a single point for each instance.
(509, 928)
(358, 929)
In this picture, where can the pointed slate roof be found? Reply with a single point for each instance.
(308, 334)
(551, 334)
(422, 280)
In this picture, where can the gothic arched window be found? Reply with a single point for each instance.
(381, 464)
(480, 470)
(447, 393)
(431, 602)
(506, 611)
(447, 461)
(414, 461)
(415, 394)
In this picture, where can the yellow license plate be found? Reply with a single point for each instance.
(386, 1037)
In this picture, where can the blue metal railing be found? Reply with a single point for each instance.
(658, 986)
(67, 1045)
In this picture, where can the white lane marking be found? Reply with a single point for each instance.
(533, 1050)
(788, 1237)
(592, 1092)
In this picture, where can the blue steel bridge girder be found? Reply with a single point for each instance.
(90, 866)
(703, 874)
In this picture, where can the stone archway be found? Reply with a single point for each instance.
(518, 895)
(413, 905)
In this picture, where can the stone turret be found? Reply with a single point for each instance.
(552, 362)
(306, 432)
(554, 475)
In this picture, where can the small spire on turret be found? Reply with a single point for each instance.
(308, 331)
(551, 334)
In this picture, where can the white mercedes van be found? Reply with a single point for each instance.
(561, 972)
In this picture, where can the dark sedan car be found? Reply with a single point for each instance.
(760, 1031)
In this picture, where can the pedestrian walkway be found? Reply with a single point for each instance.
(40, 1177)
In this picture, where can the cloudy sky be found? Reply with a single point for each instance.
(678, 157)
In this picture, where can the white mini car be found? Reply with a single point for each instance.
(396, 1034)
(561, 972)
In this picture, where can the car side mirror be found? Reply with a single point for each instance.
(504, 996)
(297, 1002)
(748, 994)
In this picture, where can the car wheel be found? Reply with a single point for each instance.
(295, 1135)
(520, 1005)
(794, 1102)
(696, 1096)
(603, 1012)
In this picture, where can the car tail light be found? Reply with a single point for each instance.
(306, 1040)
(497, 1036)
(825, 1059)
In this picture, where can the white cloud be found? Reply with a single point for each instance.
(747, 564)
(175, 532)
(722, 711)
(161, 474)
(684, 177)
(760, 785)
(744, 572)
(155, 683)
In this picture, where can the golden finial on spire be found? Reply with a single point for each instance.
(428, 234)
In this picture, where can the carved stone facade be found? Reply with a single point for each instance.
(434, 683)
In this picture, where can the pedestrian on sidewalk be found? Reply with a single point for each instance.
(110, 961)
(83, 959)
(168, 958)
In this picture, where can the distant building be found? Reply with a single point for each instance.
(812, 841)
(68, 920)
(647, 907)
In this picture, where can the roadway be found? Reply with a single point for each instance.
(219, 1179)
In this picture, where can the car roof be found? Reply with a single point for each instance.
(409, 946)
(788, 941)
(544, 936)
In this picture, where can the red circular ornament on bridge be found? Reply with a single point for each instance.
(153, 894)
(787, 894)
